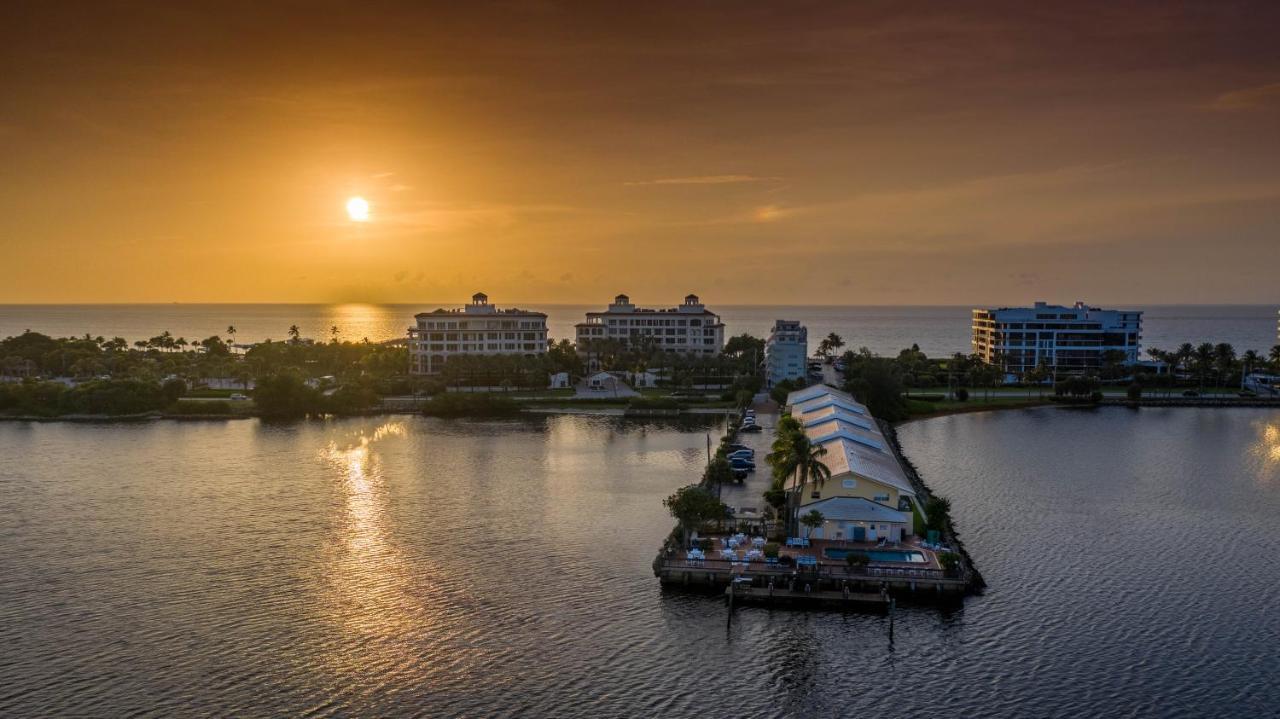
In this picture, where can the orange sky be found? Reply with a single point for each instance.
(828, 153)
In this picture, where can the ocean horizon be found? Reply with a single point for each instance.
(884, 329)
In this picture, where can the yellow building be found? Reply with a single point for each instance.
(863, 468)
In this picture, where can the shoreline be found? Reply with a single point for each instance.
(975, 584)
(608, 409)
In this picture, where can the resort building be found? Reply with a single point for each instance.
(868, 496)
(786, 352)
(688, 329)
(1073, 340)
(477, 329)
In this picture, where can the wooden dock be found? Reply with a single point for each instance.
(816, 599)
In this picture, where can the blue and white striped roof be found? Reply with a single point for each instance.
(823, 433)
(850, 435)
(818, 403)
(830, 414)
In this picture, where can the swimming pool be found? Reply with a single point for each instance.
(879, 555)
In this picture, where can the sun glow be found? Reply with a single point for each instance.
(358, 209)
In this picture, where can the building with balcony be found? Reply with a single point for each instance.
(476, 329)
(1066, 340)
(687, 329)
(786, 352)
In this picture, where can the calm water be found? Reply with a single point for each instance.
(938, 330)
(410, 566)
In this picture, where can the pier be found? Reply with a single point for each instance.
(920, 584)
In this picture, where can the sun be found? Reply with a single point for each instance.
(358, 209)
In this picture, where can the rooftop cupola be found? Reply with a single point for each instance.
(691, 304)
(621, 303)
(479, 304)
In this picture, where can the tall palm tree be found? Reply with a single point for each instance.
(1274, 356)
(795, 457)
(1204, 355)
(1251, 359)
(333, 334)
(294, 333)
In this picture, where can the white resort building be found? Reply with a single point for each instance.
(688, 329)
(477, 329)
(786, 352)
(1071, 340)
(868, 496)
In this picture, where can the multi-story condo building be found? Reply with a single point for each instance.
(786, 352)
(690, 328)
(1070, 340)
(477, 329)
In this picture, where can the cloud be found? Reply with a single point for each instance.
(703, 180)
(1248, 98)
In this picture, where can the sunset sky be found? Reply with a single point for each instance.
(788, 152)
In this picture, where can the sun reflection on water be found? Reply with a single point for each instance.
(1267, 449)
(373, 598)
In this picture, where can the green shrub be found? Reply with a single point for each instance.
(938, 511)
(1134, 392)
(962, 395)
(653, 403)
(771, 549)
(173, 389)
(916, 407)
(950, 561)
(927, 397)
(286, 396)
(465, 404)
(856, 559)
(196, 409)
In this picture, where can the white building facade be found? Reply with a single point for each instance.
(476, 329)
(1072, 340)
(786, 352)
(687, 329)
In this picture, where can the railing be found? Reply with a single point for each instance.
(821, 571)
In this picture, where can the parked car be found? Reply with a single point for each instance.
(753, 427)
(739, 447)
(237, 397)
(739, 473)
(742, 465)
(742, 454)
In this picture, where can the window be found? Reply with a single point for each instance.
(816, 495)
(849, 484)
(882, 498)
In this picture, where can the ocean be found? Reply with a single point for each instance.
(885, 330)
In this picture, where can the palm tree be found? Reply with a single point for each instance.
(1224, 360)
(1251, 360)
(295, 334)
(1184, 354)
(1204, 355)
(796, 457)
(333, 333)
(1274, 356)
